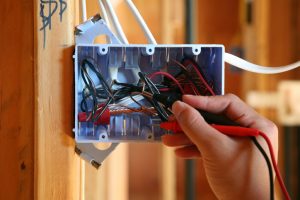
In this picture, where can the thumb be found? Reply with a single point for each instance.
(195, 127)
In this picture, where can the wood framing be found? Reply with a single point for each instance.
(57, 167)
(16, 99)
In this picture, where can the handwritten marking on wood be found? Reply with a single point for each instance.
(46, 16)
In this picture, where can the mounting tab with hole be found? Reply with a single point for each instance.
(86, 33)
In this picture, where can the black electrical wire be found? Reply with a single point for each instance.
(152, 85)
(100, 77)
(93, 91)
(100, 95)
(103, 108)
(153, 90)
(105, 94)
(90, 86)
(270, 169)
(147, 83)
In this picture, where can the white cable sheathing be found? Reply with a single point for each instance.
(83, 10)
(141, 22)
(103, 12)
(245, 65)
(116, 23)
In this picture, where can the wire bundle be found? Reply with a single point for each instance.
(189, 79)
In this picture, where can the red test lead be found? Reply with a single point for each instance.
(240, 132)
(227, 130)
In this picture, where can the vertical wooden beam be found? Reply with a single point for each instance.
(273, 42)
(167, 28)
(256, 43)
(262, 24)
(168, 174)
(96, 186)
(16, 100)
(262, 28)
(110, 181)
(57, 174)
(117, 180)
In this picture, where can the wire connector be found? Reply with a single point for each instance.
(104, 119)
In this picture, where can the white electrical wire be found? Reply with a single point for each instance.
(229, 58)
(141, 22)
(103, 12)
(245, 65)
(83, 10)
(116, 22)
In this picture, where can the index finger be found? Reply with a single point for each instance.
(229, 105)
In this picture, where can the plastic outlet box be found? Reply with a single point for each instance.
(122, 63)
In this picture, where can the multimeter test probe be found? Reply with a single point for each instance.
(232, 129)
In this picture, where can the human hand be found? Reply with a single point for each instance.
(234, 167)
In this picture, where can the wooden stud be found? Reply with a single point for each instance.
(16, 99)
(57, 167)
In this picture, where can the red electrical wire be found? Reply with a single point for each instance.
(168, 76)
(200, 76)
(280, 180)
(196, 92)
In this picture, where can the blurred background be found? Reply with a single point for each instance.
(264, 32)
